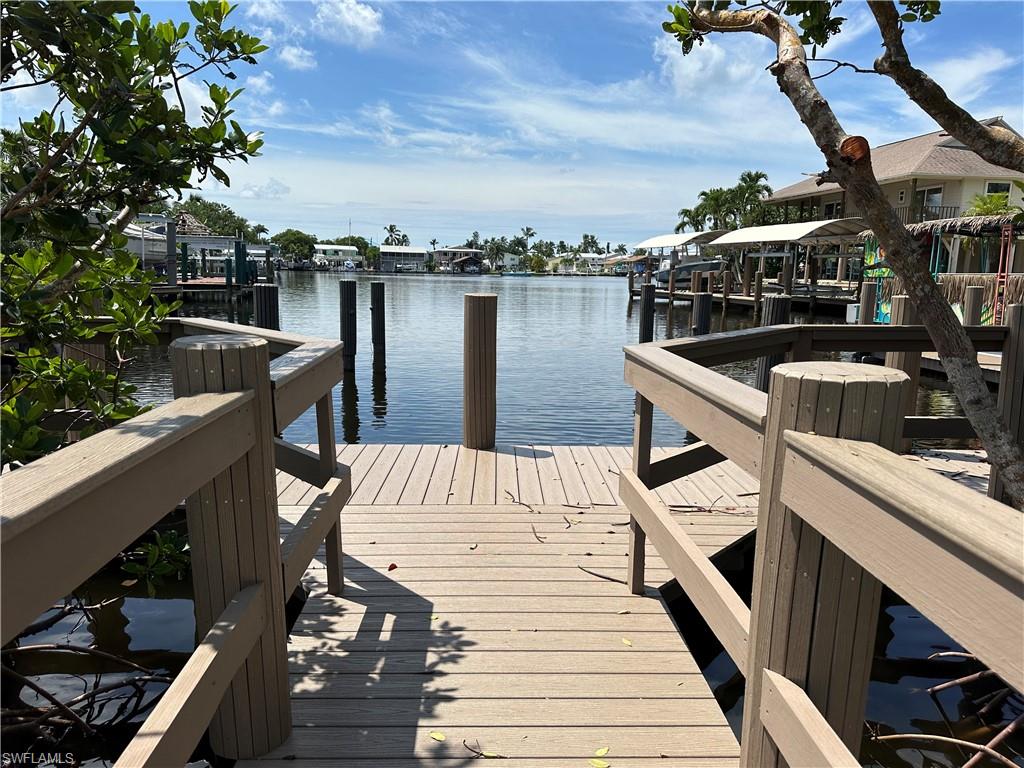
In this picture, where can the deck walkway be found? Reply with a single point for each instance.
(468, 614)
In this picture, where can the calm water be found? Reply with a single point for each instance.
(560, 357)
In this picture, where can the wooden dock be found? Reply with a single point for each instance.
(488, 630)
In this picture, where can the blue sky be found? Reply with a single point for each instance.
(444, 118)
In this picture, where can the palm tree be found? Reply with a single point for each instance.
(692, 218)
(750, 194)
(258, 230)
(405, 240)
(527, 233)
(394, 235)
(719, 206)
(433, 244)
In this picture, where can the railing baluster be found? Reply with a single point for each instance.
(328, 464)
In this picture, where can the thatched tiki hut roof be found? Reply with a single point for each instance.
(971, 226)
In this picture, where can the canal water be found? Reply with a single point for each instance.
(559, 357)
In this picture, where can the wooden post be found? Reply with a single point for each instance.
(240, 275)
(726, 288)
(203, 269)
(904, 313)
(234, 538)
(672, 278)
(268, 266)
(646, 313)
(814, 611)
(631, 279)
(868, 299)
(228, 284)
(327, 448)
(973, 301)
(701, 320)
(171, 234)
(1011, 388)
(347, 290)
(479, 374)
(696, 281)
(787, 276)
(265, 303)
(184, 262)
(776, 312)
(748, 273)
(841, 270)
(377, 322)
(643, 423)
(758, 292)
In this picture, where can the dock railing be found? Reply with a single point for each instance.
(216, 446)
(840, 514)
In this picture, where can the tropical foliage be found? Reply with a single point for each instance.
(295, 244)
(115, 138)
(742, 205)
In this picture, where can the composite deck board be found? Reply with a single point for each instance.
(483, 601)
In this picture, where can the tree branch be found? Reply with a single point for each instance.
(849, 163)
(992, 142)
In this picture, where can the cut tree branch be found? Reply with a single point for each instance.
(849, 163)
(994, 143)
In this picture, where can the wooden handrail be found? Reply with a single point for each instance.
(895, 338)
(714, 597)
(174, 727)
(727, 414)
(797, 727)
(728, 346)
(82, 505)
(904, 524)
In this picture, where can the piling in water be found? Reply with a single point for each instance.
(377, 322)
(479, 370)
(347, 290)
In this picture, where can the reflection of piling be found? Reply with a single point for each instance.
(758, 291)
(377, 322)
(349, 407)
(701, 320)
(265, 301)
(776, 312)
(479, 371)
(646, 313)
(973, 300)
(347, 290)
(379, 384)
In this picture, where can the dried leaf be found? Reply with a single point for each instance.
(437, 736)
(622, 612)
(392, 567)
(434, 617)
(473, 546)
(602, 751)
(627, 641)
(598, 763)
(129, 582)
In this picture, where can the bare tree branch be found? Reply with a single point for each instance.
(992, 142)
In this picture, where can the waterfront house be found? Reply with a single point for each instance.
(335, 256)
(458, 258)
(590, 263)
(403, 258)
(928, 177)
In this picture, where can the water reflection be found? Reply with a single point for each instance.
(350, 408)
(380, 393)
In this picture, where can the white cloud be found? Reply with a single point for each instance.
(348, 21)
(276, 108)
(272, 189)
(968, 77)
(266, 10)
(297, 57)
(260, 84)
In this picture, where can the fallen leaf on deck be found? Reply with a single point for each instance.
(473, 546)
(622, 612)
(597, 763)
(392, 567)
(627, 641)
(437, 736)
(602, 751)
(434, 617)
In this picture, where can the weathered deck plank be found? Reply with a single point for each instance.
(483, 602)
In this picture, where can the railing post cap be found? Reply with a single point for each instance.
(835, 370)
(219, 341)
(481, 295)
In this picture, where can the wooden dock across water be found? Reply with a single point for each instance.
(468, 614)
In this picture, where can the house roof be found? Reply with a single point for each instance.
(679, 239)
(402, 249)
(333, 247)
(803, 231)
(932, 154)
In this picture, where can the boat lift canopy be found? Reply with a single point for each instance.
(803, 232)
(679, 239)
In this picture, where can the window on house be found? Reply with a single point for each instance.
(997, 188)
(832, 210)
(930, 197)
(902, 196)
